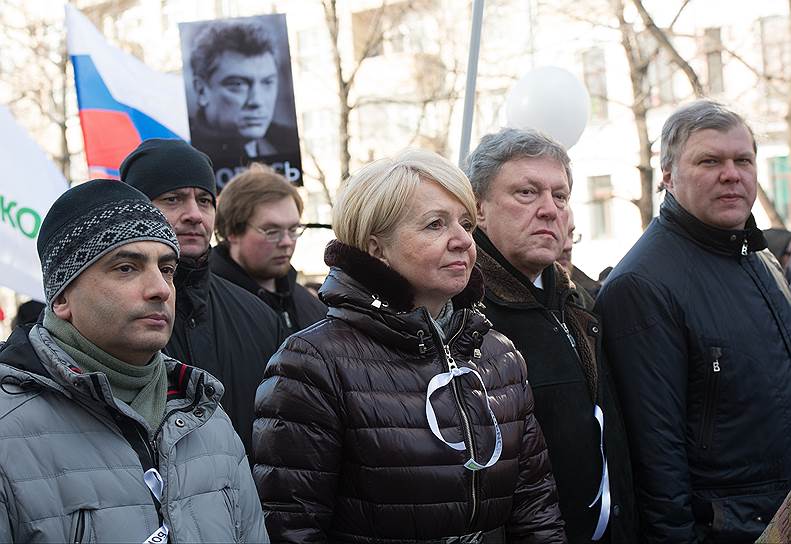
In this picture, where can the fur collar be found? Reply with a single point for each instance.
(389, 285)
(508, 288)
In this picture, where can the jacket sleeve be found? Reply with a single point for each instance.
(252, 518)
(535, 517)
(297, 444)
(646, 348)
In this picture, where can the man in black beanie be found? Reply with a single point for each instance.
(219, 326)
(95, 422)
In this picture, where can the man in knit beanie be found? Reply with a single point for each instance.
(219, 326)
(94, 420)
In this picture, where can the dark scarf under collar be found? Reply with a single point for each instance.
(387, 284)
(722, 241)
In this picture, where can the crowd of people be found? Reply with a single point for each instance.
(456, 380)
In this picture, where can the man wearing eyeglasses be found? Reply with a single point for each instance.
(218, 327)
(258, 223)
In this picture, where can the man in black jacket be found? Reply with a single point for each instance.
(218, 327)
(258, 223)
(698, 329)
(522, 181)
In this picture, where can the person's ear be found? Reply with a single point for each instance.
(480, 215)
(376, 249)
(61, 307)
(200, 91)
(667, 180)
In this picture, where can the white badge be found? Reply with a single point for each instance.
(153, 480)
(438, 382)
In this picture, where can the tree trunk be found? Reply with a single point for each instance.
(638, 72)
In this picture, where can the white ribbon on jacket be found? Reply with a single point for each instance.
(438, 382)
(153, 480)
(604, 486)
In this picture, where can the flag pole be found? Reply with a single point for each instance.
(472, 74)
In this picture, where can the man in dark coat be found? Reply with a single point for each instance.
(258, 223)
(698, 330)
(218, 327)
(522, 181)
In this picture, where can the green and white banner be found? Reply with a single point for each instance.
(29, 185)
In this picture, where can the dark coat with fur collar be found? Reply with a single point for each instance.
(566, 386)
(343, 450)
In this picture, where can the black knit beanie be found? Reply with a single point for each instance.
(158, 166)
(90, 220)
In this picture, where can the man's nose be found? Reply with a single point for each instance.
(255, 95)
(547, 207)
(156, 286)
(729, 171)
(191, 212)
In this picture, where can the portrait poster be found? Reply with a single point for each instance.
(240, 94)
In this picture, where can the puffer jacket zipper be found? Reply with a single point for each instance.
(465, 417)
(79, 529)
(710, 402)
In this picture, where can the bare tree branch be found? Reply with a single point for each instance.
(663, 40)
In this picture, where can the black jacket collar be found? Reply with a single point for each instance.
(722, 241)
(192, 285)
(223, 265)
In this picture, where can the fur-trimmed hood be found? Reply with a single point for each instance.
(367, 293)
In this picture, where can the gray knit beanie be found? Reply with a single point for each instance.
(90, 220)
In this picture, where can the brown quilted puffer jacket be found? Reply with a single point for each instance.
(342, 446)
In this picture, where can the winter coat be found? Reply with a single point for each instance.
(568, 381)
(698, 331)
(343, 449)
(72, 458)
(295, 305)
(221, 328)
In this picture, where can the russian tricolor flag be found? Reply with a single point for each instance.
(121, 100)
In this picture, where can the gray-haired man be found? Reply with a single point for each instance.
(698, 331)
(522, 181)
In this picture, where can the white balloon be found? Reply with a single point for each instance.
(551, 100)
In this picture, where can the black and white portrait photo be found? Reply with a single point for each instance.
(240, 94)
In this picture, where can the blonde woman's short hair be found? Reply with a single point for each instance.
(374, 200)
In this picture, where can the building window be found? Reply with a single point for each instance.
(776, 53)
(595, 76)
(600, 195)
(780, 185)
(712, 46)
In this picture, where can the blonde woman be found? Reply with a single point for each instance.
(402, 416)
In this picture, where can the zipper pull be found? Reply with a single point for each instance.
(568, 335)
(451, 363)
(287, 319)
(744, 248)
(421, 346)
(716, 353)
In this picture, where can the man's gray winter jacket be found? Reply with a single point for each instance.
(72, 458)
